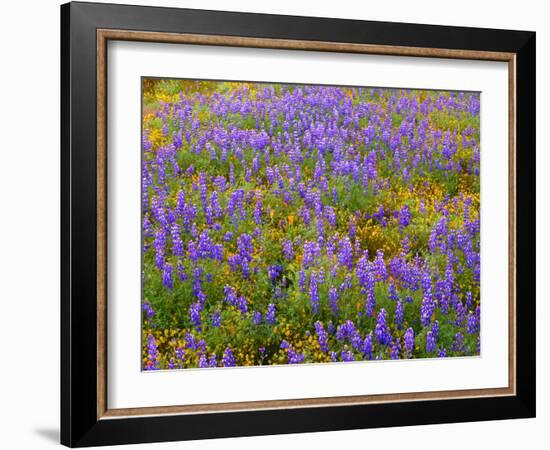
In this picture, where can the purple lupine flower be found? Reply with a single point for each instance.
(458, 345)
(404, 217)
(345, 253)
(311, 253)
(177, 243)
(367, 346)
(159, 245)
(147, 229)
(395, 349)
(258, 211)
(321, 336)
(380, 265)
(472, 323)
(152, 354)
(294, 357)
(392, 293)
(435, 330)
(242, 304)
(430, 342)
(190, 341)
(197, 282)
(215, 205)
(333, 299)
(275, 272)
(212, 362)
(469, 302)
(302, 280)
(203, 363)
(399, 315)
(216, 319)
(167, 276)
(192, 251)
(347, 355)
(314, 293)
(288, 251)
(409, 341)
(460, 315)
(270, 314)
(195, 315)
(442, 352)
(148, 310)
(181, 271)
(228, 359)
(380, 330)
(426, 310)
(256, 317)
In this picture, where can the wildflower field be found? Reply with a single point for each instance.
(307, 224)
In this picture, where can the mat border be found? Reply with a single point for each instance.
(106, 35)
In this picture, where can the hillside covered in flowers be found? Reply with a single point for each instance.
(307, 224)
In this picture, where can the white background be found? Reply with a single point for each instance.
(130, 388)
(29, 224)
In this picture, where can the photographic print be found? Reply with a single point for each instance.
(292, 224)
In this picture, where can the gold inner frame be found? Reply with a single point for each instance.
(103, 36)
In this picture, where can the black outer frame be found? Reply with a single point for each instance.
(79, 423)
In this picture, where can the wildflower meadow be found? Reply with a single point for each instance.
(290, 224)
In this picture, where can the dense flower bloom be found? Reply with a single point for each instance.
(321, 222)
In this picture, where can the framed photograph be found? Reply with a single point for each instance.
(276, 224)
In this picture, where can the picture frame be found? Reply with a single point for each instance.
(86, 29)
